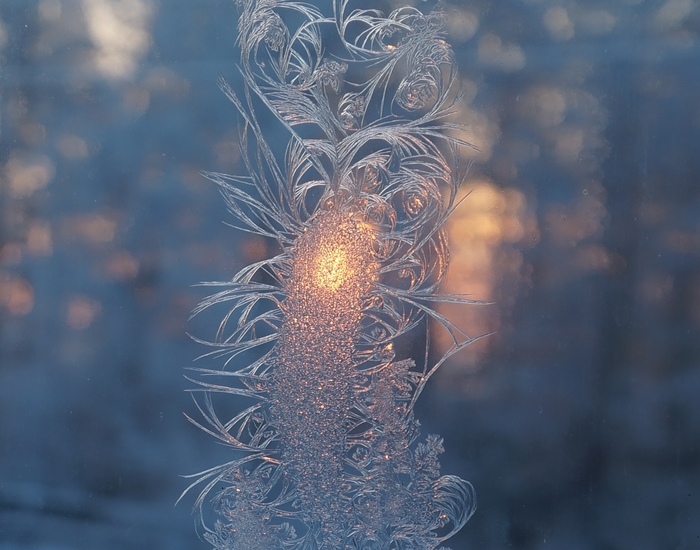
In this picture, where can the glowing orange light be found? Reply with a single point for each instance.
(334, 261)
(332, 269)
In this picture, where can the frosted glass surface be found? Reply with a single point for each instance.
(576, 421)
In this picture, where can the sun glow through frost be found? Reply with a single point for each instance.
(333, 261)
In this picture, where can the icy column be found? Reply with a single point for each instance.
(332, 270)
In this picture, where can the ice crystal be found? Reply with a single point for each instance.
(328, 451)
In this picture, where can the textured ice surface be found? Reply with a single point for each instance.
(330, 451)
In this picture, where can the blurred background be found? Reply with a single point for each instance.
(578, 422)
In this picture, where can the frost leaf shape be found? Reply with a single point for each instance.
(330, 72)
(350, 110)
(325, 447)
(417, 90)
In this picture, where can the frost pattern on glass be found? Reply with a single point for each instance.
(328, 451)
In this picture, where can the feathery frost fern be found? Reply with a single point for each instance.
(327, 447)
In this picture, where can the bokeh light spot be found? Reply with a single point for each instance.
(82, 312)
(16, 295)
